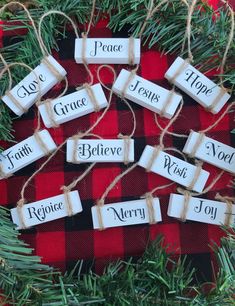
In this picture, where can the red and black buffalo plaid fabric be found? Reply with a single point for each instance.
(62, 242)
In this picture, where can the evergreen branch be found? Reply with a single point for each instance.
(155, 279)
(165, 30)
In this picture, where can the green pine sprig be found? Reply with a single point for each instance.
(165, 30)
(155, 279)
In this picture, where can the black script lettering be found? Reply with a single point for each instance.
(32, 88)
(21, 153)
(143, 92)
(173, 168)
(85, 151)
(41, 212)
(61, 109)
(208, 210)
(194, 80)
(124, 214)
(216, 151)
(105, 48)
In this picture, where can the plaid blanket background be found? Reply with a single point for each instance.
(62, 242)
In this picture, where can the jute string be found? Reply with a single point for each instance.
(92, 97)
(188, 194)
(150, 12)
(43, 47)
(101, 201)
(229, 212)
(22, 193)
(196, 175)
(8, 93)
(149, 201)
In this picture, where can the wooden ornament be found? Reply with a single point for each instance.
(106, 50)
(125, 213)
(100, 150)
(197, 85)
(72, 106)
(200, 210)
(46, 210)
(24, 95)
(173, 168)
(26, 152)
(211, 151)
(147, 94)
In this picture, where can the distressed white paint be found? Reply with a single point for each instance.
(99, 150)
(27, 91)
(196, 85)
(46, 210)
(173, 168)
(72, 106)
(147, 94)
(212, 151)
(106, 50)
(126, 213)
(25, 153)
(201, 210)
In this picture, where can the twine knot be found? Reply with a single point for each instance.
(229, 202)
(41, 143)
(150, 207)
(156, 152)
(127, 145)
(187, 196)
(198, 164)
(19, 207)
(92, 96)
(99, 205)
(68, 202)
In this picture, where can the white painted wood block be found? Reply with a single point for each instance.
(72, 106)
(25, 153)
(201, 210)
(196, 85)
(147, 94)
(126, 213)
(46, 210)
(173, 168)
(99, 150)
(211, 151)
(27, 91)
(106, 50)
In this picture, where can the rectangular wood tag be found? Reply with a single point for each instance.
(106, 50)
(147, 94)
(126, 213)
(201, 210)
(46, 210)
(211, 151)
(196, 85)
(99, 150)
(173, 168)
(27, 91)
(25, 153)
(72, 106)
